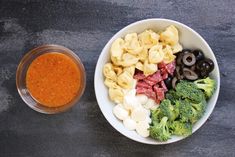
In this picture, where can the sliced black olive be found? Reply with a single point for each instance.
(189, 59)
(179, 72)
(189, 74)
(168, 82)
(179, 58)
(174, 81)
(193, 67)
(198, 54)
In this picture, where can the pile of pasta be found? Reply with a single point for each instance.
(138, 51)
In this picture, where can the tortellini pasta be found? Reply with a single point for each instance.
(149, 68)
(116, 95)
(117, 69)
(168, 55)
(117, 48)
(156, 54)
(132, 44)
(148, 38)
(177, 48)
(129, 60)
(143, 55)
(130, 70)
(170, 36)
(125, 80)
(109, 72)
(111, 84)
(139, 66)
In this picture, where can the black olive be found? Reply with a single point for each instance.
(189, 59)
(204, 74)
(206, 65)
(211, 63)
(198, 54)
(189, 74)
(179, 58)
(168, 82)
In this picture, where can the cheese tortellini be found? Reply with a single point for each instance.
(148, 38)
(170, 35)
(125, 80)
(116, 95)
(156, 54)
(117, 50)
(109, 72)
(132, 44)
(143, 51)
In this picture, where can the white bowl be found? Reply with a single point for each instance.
(188, 38)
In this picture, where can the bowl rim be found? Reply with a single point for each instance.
(157, 20)
(72, 55)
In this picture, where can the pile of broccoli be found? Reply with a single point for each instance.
(182, 107)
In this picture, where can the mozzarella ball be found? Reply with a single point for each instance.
(142, 98)
(142, 128)
(129, 123)
(150, 103)
(139, 114)
(120, 112)
(130, 102)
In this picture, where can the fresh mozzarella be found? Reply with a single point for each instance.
(142, 98)
(150, 104)
(129, 123)
(139, 114)
(142, 128)
(120, 112)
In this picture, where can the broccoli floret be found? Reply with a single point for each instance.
(160, 131)
(168, 110)
(185, 110)
(155, 115)
(197, 111)
(172, 96)
(207, 85)
(180, 128)
(189, 90)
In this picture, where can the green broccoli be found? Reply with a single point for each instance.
(155, 115)
(207, 85)
(197, 111)
(160, 131)
(185, 110)
(180, 128)
(172, 96)
(189, 90)
(168, 110)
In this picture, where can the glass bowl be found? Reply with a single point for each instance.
(21, 78)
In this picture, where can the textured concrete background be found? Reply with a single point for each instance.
(85, 27)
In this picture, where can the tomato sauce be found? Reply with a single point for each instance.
(53, 79)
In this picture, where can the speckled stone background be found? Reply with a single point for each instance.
(85, 27)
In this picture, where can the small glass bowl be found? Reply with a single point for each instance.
(21, 78)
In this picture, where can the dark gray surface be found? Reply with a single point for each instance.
(85, 27)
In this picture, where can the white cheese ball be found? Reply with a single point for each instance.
(139, 114)
(150, 104)
(120, 112)
(142, 98)
(142, 128)
(129, 123)
(130, 102)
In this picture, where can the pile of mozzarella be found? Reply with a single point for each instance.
(135, 112)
